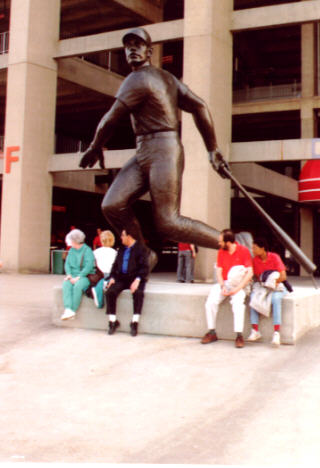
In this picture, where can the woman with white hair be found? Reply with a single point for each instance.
(79, 263)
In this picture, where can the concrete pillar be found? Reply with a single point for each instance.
(307, 79)
(207, 70)
(29, 128)
(307, 123)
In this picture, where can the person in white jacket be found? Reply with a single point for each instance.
(104, 257)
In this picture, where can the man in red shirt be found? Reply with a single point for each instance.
(97, 241)
(234, 272)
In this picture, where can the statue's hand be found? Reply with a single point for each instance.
(218, 163)
(91, 156)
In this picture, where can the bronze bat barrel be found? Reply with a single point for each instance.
(283, 237)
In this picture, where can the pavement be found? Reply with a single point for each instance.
(70, 395)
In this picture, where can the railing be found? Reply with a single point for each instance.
(4, 42)
(65, 144)
(108, 60)
(267, 92)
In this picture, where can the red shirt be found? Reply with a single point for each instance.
(97, 242)
(184, 246)
(225, 260)
(272, 262)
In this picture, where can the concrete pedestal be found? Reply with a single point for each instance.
(178, 310)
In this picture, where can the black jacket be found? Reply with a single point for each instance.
(138, 265)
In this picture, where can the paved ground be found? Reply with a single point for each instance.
(72, 395)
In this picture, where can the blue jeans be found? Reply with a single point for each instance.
(184, 272)
(276, 309)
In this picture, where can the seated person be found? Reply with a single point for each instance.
(79, 263)
(263, 261)
(129, 271)
(234, 272)
(105, 256)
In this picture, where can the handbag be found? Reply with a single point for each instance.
(94, 278)
(260, 299)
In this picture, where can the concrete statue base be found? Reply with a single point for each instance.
(178, 310)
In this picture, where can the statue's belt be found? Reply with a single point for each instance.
(150, 136)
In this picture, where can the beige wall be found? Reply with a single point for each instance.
(276, 15)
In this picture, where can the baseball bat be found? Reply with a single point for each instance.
(283, 237)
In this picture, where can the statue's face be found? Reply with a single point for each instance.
(137, 52)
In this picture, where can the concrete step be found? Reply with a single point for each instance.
(178, 310)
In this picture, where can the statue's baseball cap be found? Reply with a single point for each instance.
(140, 33)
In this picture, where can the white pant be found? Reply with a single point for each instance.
(237, 303)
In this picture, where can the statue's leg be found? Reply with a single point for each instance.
(165, 190)
(127, 187)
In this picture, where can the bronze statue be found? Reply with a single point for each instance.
(152, 97)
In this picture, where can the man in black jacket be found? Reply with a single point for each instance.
(129, 271)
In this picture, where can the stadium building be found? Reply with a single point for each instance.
(256, 64)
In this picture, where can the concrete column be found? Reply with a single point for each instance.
(207, 71)
(307, 123)
(307, 79)
(30, 118)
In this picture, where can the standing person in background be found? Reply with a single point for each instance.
(97, 240)
(265, 261)
(79, 263)
(186, 254)
(105, 256)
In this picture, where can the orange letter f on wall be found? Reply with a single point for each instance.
(9, 158)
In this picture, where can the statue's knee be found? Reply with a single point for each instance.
(164, 226)
(108, 208)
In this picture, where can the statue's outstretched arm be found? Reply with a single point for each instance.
(103, 132)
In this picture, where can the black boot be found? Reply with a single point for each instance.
(113, 326)
(134, 328)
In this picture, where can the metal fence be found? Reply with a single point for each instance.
(267, 92)
(65, 144)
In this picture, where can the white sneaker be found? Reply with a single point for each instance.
(254, 335)
(276, 339)
(95, 297)
(68, 314)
